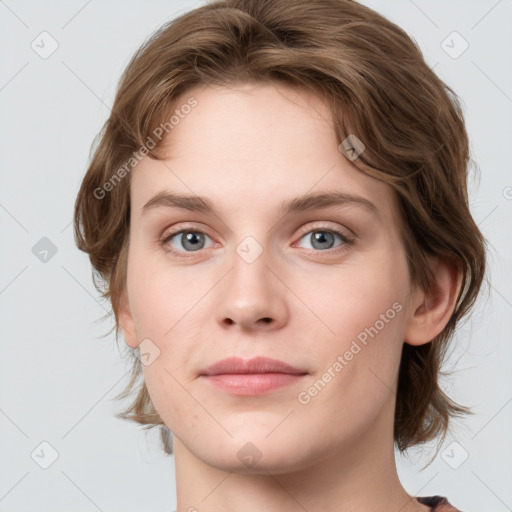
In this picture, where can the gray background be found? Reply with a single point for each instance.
(58, 376)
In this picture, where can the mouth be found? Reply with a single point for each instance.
(251, 377)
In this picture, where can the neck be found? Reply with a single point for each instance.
(359, 475)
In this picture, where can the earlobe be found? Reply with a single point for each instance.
(126, 322)
(430, 312)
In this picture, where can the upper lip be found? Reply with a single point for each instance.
(233, 365)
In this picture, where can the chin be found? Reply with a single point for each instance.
(260, 456)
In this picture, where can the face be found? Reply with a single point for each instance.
(259, 268)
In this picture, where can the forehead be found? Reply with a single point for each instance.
(253, 145)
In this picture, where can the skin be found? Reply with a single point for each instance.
(247, 149)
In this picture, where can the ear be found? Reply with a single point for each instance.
(126, 322)
(429, 313)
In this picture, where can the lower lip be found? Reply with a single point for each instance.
(252, 383)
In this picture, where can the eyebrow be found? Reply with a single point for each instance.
(299, 204)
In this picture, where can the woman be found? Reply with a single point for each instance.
(278, 210)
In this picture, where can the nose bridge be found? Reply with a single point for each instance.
(251, 276)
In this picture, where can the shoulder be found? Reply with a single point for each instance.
(438, 504)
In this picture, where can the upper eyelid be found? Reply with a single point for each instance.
(173, 231)
(323, 225)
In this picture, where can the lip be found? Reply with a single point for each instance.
(237, 365)
(251, 377)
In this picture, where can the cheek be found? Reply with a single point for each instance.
(348, 299)
(360, 315)
(174, 404)
(169, 307)
(163, 298)
(358, 366)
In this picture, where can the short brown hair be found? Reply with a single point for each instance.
(378, 87)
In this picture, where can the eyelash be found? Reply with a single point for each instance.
(347, 240)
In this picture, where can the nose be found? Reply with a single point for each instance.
(252, 295)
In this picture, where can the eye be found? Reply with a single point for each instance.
(185, 240)
(323, 239)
